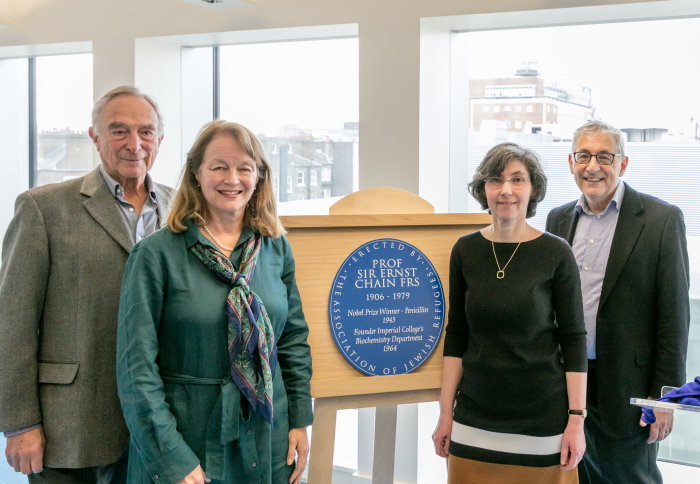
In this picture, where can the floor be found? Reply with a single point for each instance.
(673, 473)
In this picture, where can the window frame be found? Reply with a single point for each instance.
(455, 123)
(30, 53)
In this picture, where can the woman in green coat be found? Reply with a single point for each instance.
(213, 364)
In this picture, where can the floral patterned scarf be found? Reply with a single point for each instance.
(251, 340)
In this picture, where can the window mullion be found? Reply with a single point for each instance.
(216, 65)
(33, 135)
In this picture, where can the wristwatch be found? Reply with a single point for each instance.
(583, 413)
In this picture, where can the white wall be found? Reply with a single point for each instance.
(14, 127)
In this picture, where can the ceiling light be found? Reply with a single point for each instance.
(220, 4)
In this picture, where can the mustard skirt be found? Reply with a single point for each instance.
(468, 471)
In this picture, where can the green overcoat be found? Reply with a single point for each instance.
(179, 401)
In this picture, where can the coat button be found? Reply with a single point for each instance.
(248, 432)
(155, 477)
(254, 464)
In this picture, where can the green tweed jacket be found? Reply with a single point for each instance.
(63, 257)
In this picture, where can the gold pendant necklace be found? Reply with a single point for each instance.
(501, 273)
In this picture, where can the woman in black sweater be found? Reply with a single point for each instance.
(514, 371)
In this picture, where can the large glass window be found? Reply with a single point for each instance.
(63, 108)
(556, 78)
(301, 99)
(46, 101)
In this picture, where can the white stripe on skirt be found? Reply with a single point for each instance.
(503, 442)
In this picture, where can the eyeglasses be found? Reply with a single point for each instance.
(497, 182)
(603, 158)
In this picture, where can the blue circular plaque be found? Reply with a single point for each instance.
(386, 308)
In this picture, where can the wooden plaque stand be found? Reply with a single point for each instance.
(320, 245)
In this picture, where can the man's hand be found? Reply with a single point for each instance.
(660, 429)
(25, 451)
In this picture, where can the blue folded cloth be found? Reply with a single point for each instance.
(688, 394)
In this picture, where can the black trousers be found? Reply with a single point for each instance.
(110, 474)
(610, 460)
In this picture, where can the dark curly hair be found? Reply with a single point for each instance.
(495, 162)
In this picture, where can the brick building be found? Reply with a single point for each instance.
(527, 103)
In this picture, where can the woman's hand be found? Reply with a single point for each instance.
(197, 476)
(442, 434)
(299, 445)
(573, 444)
(451, 376)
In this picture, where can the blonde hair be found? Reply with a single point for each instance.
(260, 211)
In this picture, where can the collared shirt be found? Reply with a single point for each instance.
(591, 247)
(139, 225)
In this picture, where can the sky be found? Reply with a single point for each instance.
(64, 92)
(310, 84)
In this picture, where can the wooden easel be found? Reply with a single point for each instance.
(320, 245)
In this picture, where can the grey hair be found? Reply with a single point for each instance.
(496, 161)
(124, 91)
(595, 126)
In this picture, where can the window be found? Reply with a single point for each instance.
(658, 113)
(63, 109)
(302, 103)
(326, 174)
(50, 98)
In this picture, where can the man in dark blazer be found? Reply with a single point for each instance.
(633, 261)
(62, 262)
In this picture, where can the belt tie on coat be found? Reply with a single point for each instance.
(222, 426)
(251, 340)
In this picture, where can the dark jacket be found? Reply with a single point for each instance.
(643, 315)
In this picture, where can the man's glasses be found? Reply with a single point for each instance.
(603, 158)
